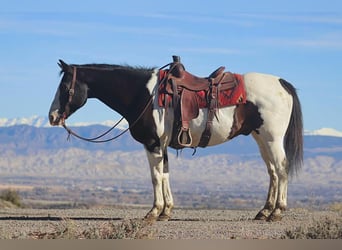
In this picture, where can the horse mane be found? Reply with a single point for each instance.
(110, 67)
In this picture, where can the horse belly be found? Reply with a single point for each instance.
(220, 128)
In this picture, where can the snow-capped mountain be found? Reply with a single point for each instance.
(36, 121)
(109, 123)
(325, 132)
(40, 121)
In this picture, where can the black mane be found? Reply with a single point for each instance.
(109, 67)
(103, 66)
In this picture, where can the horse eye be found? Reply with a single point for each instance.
(64, 88)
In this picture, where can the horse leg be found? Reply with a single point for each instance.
(163, 201)
(277, 169)
(167, 194)
(282, 172)
(272, 190)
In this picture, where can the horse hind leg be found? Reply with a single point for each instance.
(282, 172)
(274, 156)
(272, 190)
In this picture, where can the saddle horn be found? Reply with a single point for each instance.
(177, 68)
(176, 59)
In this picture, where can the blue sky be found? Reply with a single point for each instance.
(300, 41)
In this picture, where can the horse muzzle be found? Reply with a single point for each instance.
(56, 119)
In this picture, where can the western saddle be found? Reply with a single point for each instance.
(184, 88)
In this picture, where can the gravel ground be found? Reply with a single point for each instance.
(185, 223)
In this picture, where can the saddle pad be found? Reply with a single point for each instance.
(235, 95)
(229, 97)
(164, 96)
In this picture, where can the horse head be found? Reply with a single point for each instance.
(72, 94)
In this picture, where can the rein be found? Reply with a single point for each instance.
(96, 139)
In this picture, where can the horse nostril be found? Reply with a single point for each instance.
(53, 118)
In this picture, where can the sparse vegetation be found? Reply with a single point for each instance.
(11, 196)
(328, 228)
(125, 223)
(336, 206)
(127, 229)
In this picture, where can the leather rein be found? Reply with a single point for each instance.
(95, 139)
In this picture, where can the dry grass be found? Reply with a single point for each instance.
(128, 229)
(336, 207)
(11, 196)
(329, 228)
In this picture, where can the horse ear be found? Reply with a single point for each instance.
(63, 65)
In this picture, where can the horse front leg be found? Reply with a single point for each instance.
(167, 194)
(163, 201)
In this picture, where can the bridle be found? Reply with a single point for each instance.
(71, 93)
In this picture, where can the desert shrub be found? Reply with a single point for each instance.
(327, 229)
(127, 229)
(336, 207)
(11, 196)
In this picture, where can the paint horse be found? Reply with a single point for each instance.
(270, 111)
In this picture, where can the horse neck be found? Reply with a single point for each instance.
(121, 92)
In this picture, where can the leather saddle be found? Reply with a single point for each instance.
(185, 89)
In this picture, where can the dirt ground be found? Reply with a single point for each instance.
(185, 223)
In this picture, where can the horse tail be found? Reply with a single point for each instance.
(293, 141)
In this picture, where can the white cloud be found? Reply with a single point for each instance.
(328, 41)
(70, 28)
(296, 17)
(202, 18)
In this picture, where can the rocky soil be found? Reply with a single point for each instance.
(125, 222)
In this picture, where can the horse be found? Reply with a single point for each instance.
(271, 114)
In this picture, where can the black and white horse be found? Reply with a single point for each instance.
(271, 114)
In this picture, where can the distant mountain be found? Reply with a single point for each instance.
(29, 135)
(42, 156)
(325, 132)
(42, 121)
(36, 121)
(26, 139)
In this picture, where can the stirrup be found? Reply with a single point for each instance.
(184, 137)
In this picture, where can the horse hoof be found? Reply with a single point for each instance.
(274, 218)
(260, 216)
(150, 218)
(164, 217)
